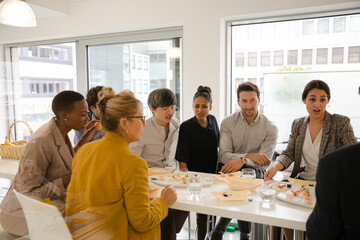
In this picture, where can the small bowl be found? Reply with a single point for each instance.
(240, 184)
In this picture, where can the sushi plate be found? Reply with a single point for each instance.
(281, 195)
(177, 179)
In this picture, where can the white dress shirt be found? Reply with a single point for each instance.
(238, 138)
(311, 155)
(154, 146)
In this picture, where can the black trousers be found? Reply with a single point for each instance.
(172, 223)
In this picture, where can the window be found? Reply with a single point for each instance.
(252, 59)
(138, 62)
(292, 57)
(133, 61)
(339, 24)
(355, 23)
(279, 58)
(354, 54)
(146, 63)
(338, 55)
(152, 67)
(42, 72)
(323, 26)
(306, 57)
(239, 59)
(324, 54)
(265, 58)
(308, 27)
(321, 56)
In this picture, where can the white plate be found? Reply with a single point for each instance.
(169, 180)
(296, 200)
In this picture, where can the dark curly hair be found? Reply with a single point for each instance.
(92, 96)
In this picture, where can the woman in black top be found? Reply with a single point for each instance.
(197, 148)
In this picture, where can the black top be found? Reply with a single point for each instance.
(336, 213)
(197, 146)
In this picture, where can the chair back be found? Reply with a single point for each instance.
(44, 221)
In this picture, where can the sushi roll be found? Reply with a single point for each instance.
(162, 178)
(290, 194)
(307, 200)
(304, 194)
(279, 186)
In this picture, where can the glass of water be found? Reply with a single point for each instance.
(194, 185)
(267, 193)
(170, 165)
(248, 173)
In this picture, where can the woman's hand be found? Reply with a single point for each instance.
(168, 194)
(183, 167)
(88, 134)
(270, 173)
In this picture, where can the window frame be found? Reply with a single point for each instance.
(280, 16)
(81, 44)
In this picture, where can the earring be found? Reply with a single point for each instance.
(65, 119)
(127, 131)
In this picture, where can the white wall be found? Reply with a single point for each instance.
(203, 24)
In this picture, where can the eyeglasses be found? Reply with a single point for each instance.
(141, 117)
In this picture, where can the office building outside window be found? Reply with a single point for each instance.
(321, 56)
(292, 57)
(265, 58)
(326, 48)
(252, 59)
(306, 57)
(338, 55)
(354, 54)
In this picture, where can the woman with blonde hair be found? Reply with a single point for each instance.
(112, 182)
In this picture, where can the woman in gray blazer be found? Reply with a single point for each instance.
(46, 162)
(312, 137)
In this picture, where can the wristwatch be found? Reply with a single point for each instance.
(244, 160)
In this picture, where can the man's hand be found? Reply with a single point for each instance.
(259, 158)
(183, 167)
(232, 166)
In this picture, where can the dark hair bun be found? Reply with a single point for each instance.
(204, 89)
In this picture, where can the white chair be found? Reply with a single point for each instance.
(44, 221)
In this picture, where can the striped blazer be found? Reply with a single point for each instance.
(337, 132)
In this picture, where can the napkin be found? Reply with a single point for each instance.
(231, 196)
(301, 182)
(154, 171)
(221, 177)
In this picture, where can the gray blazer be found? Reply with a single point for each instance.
(46, 158)
(337, 132)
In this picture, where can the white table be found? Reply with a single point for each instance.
(8, 168)
(279, 214)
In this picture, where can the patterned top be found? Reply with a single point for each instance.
(337, 132)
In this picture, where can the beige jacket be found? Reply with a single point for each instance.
(46, 158)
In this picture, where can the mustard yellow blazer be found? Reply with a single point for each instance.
(111, 182)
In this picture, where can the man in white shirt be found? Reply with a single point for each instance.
(247, 140)
(160, 131)
(154, 146)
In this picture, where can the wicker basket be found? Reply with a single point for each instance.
(15, 149)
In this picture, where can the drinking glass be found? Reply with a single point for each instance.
(267, 193)
(194, 186)
(248, 173)
(170, 164)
